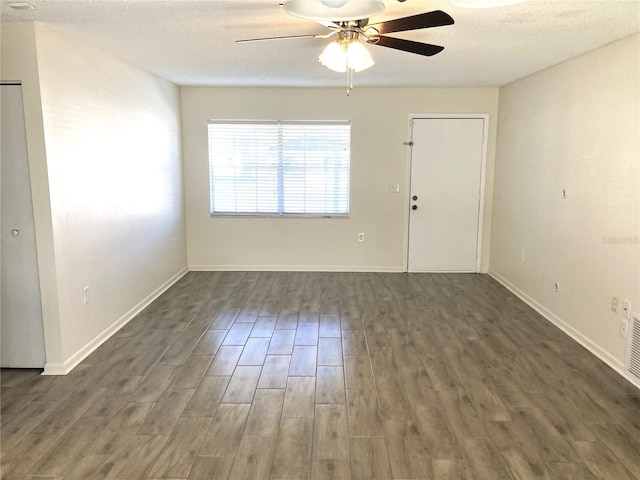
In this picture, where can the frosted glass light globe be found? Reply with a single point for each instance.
(334, 57)
(334, 3)
(358, 57)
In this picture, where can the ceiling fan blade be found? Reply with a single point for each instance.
(437, 18)
(425, 49)
(286, 37)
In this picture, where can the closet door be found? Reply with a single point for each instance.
(21, 330)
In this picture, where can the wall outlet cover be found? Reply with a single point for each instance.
(624, 328)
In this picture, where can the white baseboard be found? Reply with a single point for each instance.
(586, 342)
(84, 352)
(56, 369)
(294, 268)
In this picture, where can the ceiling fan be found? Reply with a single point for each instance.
(348, 21)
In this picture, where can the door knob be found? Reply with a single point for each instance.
(414, 207)
(415, 197)
(15, 232)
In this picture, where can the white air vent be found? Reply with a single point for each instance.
(633, 348)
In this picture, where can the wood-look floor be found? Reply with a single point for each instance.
(327, 375)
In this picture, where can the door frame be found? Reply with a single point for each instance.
(407, 203)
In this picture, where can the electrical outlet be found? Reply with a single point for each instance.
(394, 188)
(614, 304)
(361, 237)
(626, 309)
(624, 328)
(85, 295)
(522, 257)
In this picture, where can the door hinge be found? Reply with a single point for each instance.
(408, 144)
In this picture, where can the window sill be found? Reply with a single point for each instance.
(277, 215)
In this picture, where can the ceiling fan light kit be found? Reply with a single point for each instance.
(334, 10)
(343, 54)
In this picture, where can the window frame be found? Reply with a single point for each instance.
(280, 195)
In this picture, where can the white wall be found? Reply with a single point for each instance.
(379, 119)
(576, 127)
(113, 163)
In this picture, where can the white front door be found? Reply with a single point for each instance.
(446, 168)
(21, 329)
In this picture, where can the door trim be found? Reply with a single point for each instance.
(483, 169)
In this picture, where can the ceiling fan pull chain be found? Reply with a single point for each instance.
(348, 81)
(350, 73)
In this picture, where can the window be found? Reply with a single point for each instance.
(279, 168)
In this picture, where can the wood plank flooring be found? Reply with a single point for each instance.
(249, 375)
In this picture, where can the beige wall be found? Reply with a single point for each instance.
(379, 119)
(575, 127)
(114, 178)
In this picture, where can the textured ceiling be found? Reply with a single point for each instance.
(192, 42)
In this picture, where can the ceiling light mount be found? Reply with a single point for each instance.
(484, 3)
(21, 5)
(334, 3)
(334, 10)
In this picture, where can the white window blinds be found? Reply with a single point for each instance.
(279, 168)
